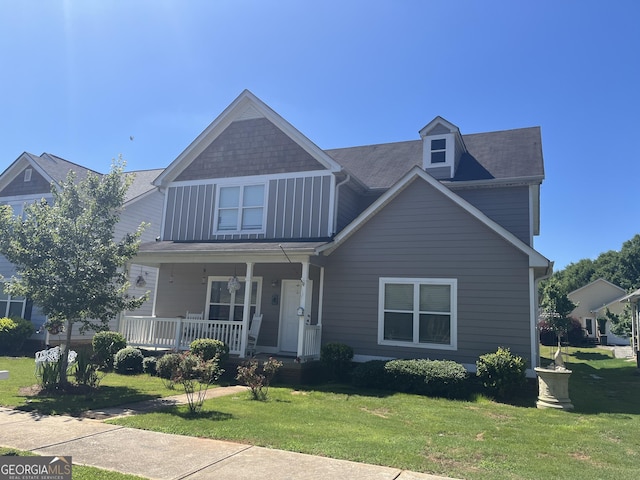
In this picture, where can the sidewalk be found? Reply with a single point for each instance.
(162, 456)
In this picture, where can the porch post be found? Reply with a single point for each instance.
(246, 311)
(320, 296)
(303, 305)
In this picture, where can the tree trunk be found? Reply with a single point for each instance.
(64, 359)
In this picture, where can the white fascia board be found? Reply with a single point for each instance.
(438, 120)
(158, 258)
(535, 258)
(230, 114)
(497, 182)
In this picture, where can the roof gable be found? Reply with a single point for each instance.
(246, 108)
(417, 174)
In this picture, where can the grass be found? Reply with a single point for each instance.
(476, 439)
(80, 472)
(18, 391)
(479, 439)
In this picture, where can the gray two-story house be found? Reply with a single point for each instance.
(417, 249)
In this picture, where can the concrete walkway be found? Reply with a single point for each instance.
(162, 456)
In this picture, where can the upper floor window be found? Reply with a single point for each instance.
(418, 312)
(240, 208)
(439, 150)
(27, 174)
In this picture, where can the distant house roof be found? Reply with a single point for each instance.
(142, 182)
(490, 156)
(58, 168)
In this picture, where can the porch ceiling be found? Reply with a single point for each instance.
(156, 253)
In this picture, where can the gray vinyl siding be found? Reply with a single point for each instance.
(423, 234)
(349, 206)
(296, 207)
(507, 206)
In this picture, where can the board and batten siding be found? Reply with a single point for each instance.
(296, 207)
(423, 234)
(507, 206)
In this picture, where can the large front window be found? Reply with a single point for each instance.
(240, 208)
(419, 312)
(229, 305)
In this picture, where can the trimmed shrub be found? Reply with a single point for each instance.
(105, 345)
(13, 333)
(195, 375)
(502, 373)
(436, 378)
(208, 348)
(371, 374)
(149, 365)
(336, 358)
(166, 366)
(128, 361)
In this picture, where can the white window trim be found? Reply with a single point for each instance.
(27, 174)
(452, 282)
(239, 230)
(449, 151)
(212, 279)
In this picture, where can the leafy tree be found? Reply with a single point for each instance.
(555, 307)
(620, 324)
(65, 254)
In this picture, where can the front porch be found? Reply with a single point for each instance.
(177, 334)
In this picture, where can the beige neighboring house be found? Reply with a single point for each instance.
(592, 301)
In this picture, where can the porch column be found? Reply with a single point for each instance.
(320, 296)
(246, 311)
(303, 305)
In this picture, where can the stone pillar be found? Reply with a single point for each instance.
(553, 388)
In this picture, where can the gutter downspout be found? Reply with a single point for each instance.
(335, 210)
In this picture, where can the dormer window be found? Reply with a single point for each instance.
(439, 150)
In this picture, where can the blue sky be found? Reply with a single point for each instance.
(80, 77)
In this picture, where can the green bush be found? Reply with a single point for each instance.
(128, 361)
(502, 373)
(86, 370)
(436, 378)
(105, 345)
(149, 365)
(13, 333)
(371, 374)
(208, 348)
(166, 366)
(258, 382)
(336, 358)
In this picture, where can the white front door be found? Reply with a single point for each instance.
(289, 321)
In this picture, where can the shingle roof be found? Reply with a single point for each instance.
(493, 155)
(142, 182)
(58, 168)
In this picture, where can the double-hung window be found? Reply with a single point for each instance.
(418, 312)
(229, 305)
(241, 208)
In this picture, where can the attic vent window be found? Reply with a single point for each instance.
(27, 175)
(439, 150)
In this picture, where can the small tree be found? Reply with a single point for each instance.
(196, 375)
(555, 308)
(66, 257)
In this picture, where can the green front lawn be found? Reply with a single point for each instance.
(477, 439)
(18, 391)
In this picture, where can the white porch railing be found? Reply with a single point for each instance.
(311, 345)
(178, 333)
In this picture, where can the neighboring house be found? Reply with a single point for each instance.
(417, 249)
(29, 178)
(593, 300)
